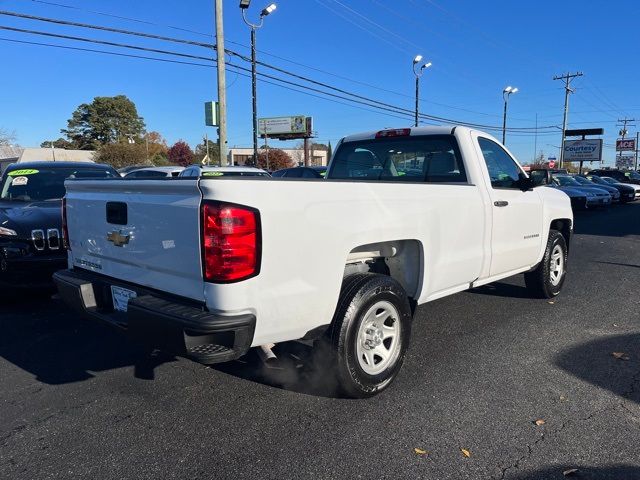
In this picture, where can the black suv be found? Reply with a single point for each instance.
(628, 176)
(31, 245)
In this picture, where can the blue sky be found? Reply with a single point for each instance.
(364, 46)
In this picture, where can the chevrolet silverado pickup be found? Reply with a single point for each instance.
(209, 267)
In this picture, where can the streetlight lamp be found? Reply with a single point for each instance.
(418, 73)
(244, 5)
(506, 93)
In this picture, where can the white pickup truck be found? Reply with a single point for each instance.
(210, 267)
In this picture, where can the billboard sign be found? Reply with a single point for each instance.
(626, 145)
(583, 150)
(625, 161)
(296, 125)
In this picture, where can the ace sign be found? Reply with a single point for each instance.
(626, 145)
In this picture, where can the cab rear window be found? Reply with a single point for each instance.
(429, 158)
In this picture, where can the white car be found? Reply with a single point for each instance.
(155, 172)
(208, 268)
(207, 171)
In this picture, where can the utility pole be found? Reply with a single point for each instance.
(222, 84)
(635, 167)
(567, 77)
(535, 142)
(622, 122)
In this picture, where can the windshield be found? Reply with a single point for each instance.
(566, 181)
(582, 181)
(633, 175)
(609, 180)
(36, 185)
(234, 174)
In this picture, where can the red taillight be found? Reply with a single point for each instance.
(230, 242)
(397, 132)
(65, 231)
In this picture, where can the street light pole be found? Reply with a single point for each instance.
(506, 93)
(244, 4)
(418, 73)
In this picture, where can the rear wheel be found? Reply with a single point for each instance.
(547, 279)
(369, 335)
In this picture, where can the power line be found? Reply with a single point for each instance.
(106, 29)
(103, 42)
(371, 102)
(201, 44)
(119, 54)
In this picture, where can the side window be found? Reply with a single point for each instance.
(189, 172)
(503, 171)
(309, 174)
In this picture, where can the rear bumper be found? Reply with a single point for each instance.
(174, 325)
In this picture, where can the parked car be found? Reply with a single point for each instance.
(627, 192)
(613, 181)
(586, 183)
(543, 177)
(31, 222)
(205, 171)
(248, 263)
(596, 197)
(298, 172)
(155, 172)
(124, 170)
(622, 176)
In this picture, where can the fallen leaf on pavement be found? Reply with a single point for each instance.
(620, 355)
(571, 471)
(420, 451)
(465, 452)
(562, 398)
(551, 303)
(539, 422)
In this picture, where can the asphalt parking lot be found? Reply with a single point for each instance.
(78, 401)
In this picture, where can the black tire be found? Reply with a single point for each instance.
(360, 293)
(539, 281)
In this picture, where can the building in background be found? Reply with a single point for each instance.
(9, 155)
(242, 155)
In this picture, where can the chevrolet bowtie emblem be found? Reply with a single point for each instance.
(118, 238)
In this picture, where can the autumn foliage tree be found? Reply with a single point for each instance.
(121, 154)
(278, 159)
(180, 153)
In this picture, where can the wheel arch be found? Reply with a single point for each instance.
(402, 259)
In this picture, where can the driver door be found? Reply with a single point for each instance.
(516, 234)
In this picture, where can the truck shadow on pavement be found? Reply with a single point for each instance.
(612, 363)
(52, 343)
(297, 369)
(614, 472)
(501, 289)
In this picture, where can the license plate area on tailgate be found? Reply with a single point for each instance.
(121, 297)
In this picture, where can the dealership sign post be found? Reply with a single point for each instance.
(584, 150)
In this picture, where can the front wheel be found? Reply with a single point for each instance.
(548, 277)
(369, 335)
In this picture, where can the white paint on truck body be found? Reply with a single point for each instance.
(308, 230)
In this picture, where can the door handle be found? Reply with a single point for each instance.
(501, 203)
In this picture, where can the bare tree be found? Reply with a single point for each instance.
(6, 137)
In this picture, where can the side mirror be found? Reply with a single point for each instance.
(525, 183)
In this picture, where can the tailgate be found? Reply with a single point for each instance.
(146, 232)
